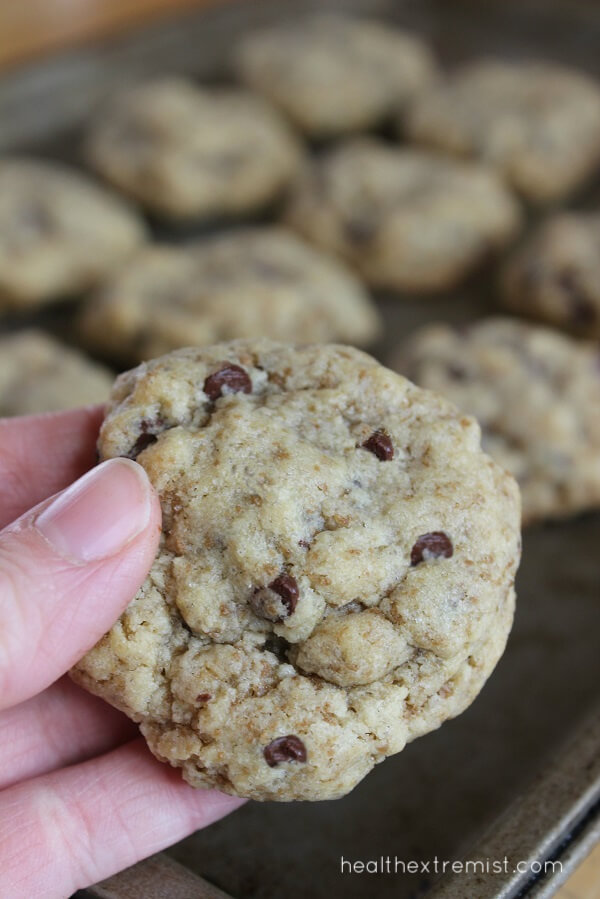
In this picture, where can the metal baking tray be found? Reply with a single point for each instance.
(517, 775)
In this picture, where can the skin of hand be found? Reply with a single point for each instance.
(81, 797)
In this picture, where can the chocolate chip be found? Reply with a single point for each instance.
(360, 231)
(582, 312)
(435, 545)
(143, 441)
(304, 544)
(265, 605)
(203, 698)
(380, 445)
(230, 378)
(150, 429)
(456, 372)
(285, 749)
(463, 329)
(568, 279)
(286, 587)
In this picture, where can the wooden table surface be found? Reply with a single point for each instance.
(30, 28)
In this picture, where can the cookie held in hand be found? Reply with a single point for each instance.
(335, 574)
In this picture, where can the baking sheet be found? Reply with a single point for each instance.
(441, 796)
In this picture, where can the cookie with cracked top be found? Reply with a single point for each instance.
(333, 74)
(60, 233)
(555, 276)
(40, 374)
(335, 574)
(253, 282)
(538, 123)
(406, 219)
(187, 152)
(536, 395)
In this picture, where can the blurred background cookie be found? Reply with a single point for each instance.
(555, 276)
(405, 219)
(59, 232)
(188, 152)
(538, 123)
(332, 74)
(536, 395)
(40, 374)
(252, 282)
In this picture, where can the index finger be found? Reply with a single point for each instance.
(42, 454)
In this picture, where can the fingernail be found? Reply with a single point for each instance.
(100, 513)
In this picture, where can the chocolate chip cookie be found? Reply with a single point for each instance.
(59, 232)
(405, 219)
(332, 74)
(555, 276)
(536, 395)
(187, 152)
(335, 573)
(537, 123)
(249, 283)
(39, 374)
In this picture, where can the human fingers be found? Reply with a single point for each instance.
(67, 570)
(42, 454)
(61, 726)
(86, 822)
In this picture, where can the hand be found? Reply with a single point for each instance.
(81, 797)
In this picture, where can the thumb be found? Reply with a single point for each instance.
(68, 568)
